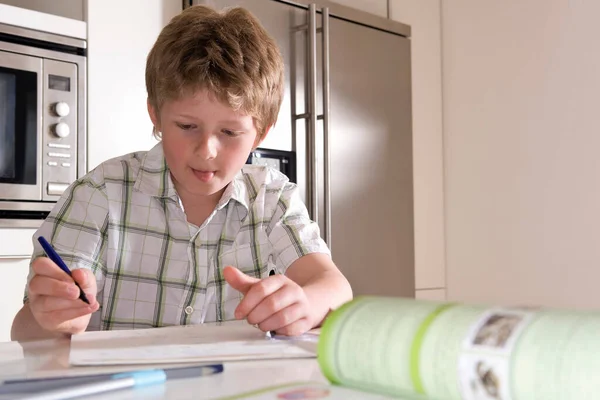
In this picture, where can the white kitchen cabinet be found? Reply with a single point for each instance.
(424, 18)
(431, 294)
(521, 95)
(14, 277)
(15, 253)
(73, 9)
(118, 44)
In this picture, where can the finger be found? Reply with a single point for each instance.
(284, 318)
(86, 279)
(91, 298)
(296, 328)
(46, 304)
(60, 320)
(41, 285)
(238, 280)
(46, 267)
(282, 298)
(257, 293)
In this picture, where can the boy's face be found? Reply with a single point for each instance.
(205, 143)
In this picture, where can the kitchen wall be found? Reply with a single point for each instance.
(119, 41)
(521, 85)
(424, 18)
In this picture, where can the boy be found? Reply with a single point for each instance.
(185, 233)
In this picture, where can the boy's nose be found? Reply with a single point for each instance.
(207, 148)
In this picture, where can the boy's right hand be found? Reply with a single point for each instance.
(54, 297)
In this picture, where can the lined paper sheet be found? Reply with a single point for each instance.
(229, 341)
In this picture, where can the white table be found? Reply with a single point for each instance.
(50, 357)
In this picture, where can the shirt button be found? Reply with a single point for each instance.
(189, 310)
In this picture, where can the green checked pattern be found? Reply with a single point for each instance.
(125, 222)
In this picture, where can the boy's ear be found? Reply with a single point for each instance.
(260, 138)
(153, 115)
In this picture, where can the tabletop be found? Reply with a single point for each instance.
(49, 358)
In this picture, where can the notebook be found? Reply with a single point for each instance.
(215, 342)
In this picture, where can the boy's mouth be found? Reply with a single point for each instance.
(204, 176)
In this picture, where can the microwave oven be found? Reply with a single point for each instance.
(42, 119)
(282, 161)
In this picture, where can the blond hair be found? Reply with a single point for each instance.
(227, 53)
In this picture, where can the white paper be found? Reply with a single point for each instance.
(192, 343)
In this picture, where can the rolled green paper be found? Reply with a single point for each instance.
(446, 351)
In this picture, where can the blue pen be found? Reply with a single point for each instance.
(31, 386)
(115, 382)
(51, 253)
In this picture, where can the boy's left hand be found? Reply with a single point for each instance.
(276, 303)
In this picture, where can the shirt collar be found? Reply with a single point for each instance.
(154, 179)
(237, 191)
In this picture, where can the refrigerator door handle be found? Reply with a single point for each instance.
(326, 126)
(311, 116)
(312, 169)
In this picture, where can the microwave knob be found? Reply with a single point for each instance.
(61, 109)
(61, 130)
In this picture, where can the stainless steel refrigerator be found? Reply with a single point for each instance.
(347, 116)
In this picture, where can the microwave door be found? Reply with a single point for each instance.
(20, 127)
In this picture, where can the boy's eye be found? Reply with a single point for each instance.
(230, 132)
(185, 127)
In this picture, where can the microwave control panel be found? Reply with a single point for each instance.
(59, 127)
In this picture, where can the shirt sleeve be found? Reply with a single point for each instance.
(77, 228)
(292, 233)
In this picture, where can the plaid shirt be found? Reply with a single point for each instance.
(125, 222)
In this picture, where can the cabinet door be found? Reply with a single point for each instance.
(14, 277)
(424, 18)
(431, 294)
